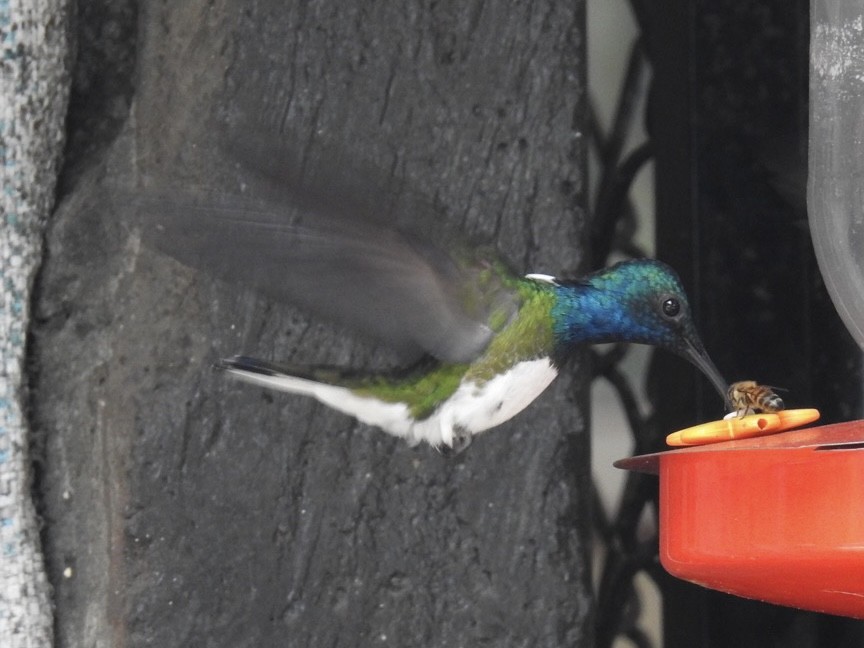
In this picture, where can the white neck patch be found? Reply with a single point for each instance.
(543, 277)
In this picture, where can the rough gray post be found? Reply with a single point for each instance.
(34, 86)
(202, 512)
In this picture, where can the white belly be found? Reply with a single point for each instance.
(471, 409)
(474, 408)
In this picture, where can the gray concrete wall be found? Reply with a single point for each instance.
(182, 509)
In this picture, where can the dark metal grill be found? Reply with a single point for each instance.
(726, 116)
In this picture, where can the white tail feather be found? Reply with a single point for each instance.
(392, 417)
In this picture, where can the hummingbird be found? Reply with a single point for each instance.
(486, 341)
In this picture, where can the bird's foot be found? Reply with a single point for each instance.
(461, 440)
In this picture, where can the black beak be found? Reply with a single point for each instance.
(696, 354)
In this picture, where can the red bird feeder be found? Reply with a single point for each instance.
(778, 518)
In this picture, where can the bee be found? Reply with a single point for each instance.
(749, 395)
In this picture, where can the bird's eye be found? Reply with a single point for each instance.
(671, 307)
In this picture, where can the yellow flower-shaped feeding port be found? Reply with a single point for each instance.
(744, 427)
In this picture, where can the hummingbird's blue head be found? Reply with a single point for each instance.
(639, 301)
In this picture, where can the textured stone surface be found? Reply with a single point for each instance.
(202, 512)
(34, 87)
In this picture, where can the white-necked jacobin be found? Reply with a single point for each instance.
(491, 340)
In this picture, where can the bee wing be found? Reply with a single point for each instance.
(374, 278)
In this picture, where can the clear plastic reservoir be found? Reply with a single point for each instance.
(835, 188)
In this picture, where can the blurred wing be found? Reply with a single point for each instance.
(383, 283)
